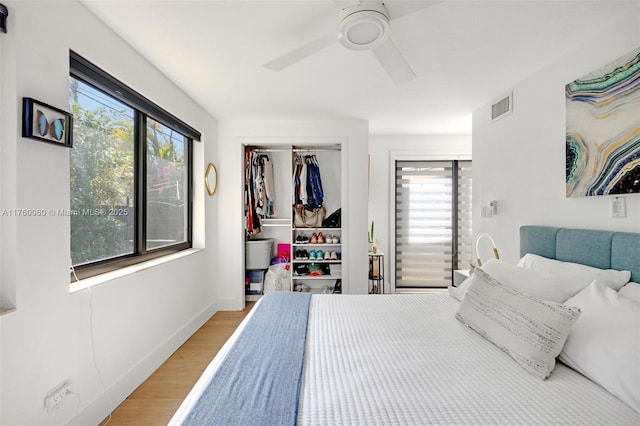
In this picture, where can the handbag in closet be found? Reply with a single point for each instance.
(303, 218)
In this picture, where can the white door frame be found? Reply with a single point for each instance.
(395, 156)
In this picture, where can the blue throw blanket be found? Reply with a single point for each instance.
(258, 382)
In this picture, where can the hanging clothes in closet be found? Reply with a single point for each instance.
(259, 190)
(307, 182)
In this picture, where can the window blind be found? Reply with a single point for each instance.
(464, 231)
(433, 221)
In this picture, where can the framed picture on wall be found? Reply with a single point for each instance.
(46, 123)
(602, 122)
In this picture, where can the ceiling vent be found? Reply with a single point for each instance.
(502, 107)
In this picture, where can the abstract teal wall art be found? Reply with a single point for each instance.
(603, 130)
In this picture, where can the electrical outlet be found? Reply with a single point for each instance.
(55, 397)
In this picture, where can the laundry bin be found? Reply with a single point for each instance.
(258, 253)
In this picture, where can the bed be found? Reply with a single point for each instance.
(405, 359)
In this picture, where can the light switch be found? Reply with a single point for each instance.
(618, 207)
(493, 207)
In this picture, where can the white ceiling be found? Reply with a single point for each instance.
(465, 53)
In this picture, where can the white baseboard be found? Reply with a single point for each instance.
(106, 402)
(230, 304)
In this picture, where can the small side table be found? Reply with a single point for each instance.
(376, 273)
(459, 275)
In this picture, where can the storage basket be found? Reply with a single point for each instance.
(258, 253)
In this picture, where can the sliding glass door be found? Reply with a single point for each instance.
(432, 222)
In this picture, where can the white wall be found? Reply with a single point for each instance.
(134, 322)
(519, 160)
(382, 150)
(232, 134)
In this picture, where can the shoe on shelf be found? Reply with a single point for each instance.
(299, 239)
(320, 238)
(334, 255)
(314, 239)
(336, 240)
(312, 255)
(319, 255)
(327, 255)
(298, 255)
(301, 269)
(304, 254)
(315, 270)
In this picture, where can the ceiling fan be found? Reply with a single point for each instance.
(363, 26)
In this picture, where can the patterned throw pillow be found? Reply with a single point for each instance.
(530, 330)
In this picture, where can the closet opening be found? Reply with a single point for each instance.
(293, 236)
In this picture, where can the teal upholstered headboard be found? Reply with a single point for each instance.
(601, 249)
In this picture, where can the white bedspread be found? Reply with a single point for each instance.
(405, 360)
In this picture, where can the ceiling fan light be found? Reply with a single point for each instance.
(363, 30)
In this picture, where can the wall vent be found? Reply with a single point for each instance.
(502, 107)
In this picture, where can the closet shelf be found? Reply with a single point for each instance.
(319, 148)
(276, 222)
(319, 277)
(306, 245)
(315, 261)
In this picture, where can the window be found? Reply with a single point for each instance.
(433, 222)
(167, 189)
(131, 174)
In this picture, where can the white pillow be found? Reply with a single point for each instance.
(575, 271)
(604, 344)
(631, 291)
(552, 287)
(530, 330)
(528, 281)
(538, 284)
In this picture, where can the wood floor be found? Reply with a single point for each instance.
(155, 400)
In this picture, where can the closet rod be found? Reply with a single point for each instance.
(268, 149)
(316, 149)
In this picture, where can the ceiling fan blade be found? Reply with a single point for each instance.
(300, 53)
(398, 9)
(394, 63)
